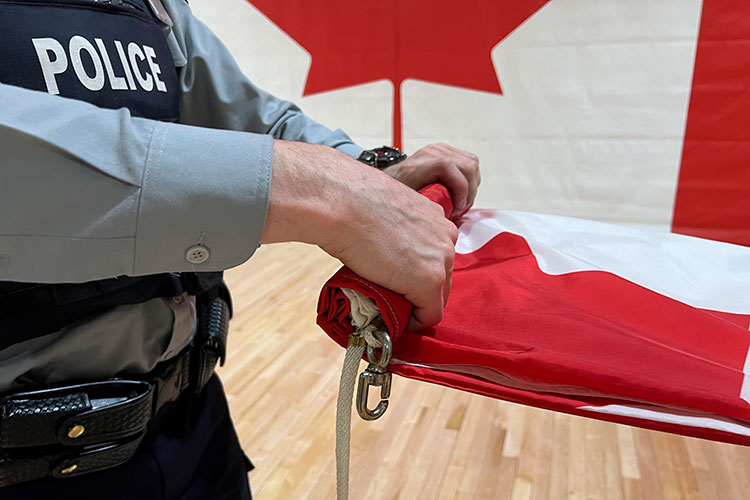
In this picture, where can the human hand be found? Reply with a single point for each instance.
(379, 228)
(458, 170)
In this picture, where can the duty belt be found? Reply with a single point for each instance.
(77, 429)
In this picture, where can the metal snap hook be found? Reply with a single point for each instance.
(371, 377)
(374, 336)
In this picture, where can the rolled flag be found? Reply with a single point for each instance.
(605, 321)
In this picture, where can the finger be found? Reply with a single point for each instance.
(458, 185)
(454, 239)
(415, 325)
(422, 317)
(447, 290)
(470, 168)
(468, 163)
(460, 152)
(471, 173)
(415, 172)
(474, 180)
(476, 177)
(449, 266)
(428, 305)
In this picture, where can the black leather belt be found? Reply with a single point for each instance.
(77, 429)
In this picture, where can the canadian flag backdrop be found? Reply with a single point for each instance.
(624, 111)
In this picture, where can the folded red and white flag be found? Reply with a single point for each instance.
(606, 321)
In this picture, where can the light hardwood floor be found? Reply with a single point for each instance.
(433, 443)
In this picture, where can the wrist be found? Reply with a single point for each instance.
(313, 193)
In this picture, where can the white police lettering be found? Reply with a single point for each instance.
(115, 82)
(53, 61)
(155, 69)
(134, 50)
(78, 44)
(125, 65)
(50, 68)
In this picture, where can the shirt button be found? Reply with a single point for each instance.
(197, 254)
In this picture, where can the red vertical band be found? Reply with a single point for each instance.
(713, 193)
(397, 134)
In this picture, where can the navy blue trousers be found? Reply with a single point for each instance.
(191, 452)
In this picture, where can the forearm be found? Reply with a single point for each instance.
(89, 193)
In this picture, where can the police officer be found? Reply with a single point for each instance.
(137, 162)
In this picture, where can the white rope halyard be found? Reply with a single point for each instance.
(344, 417)
(370, 335)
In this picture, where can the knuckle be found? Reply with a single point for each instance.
(437, 211)
(470, 165)
(449, 267)
(435, 278)
(447, 239)
(451, 169)
(453, 238)
(467, 170)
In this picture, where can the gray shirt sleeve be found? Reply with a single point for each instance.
(88, 193)
(216, 94)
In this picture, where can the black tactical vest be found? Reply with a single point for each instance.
(114, 54)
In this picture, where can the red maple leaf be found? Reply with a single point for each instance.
(441, 41)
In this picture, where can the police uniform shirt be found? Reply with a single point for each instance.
(90, 193)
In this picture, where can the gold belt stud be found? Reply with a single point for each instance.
(69, 470)
(76, 431)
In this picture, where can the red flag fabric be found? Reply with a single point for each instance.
(430, 40)
(611, 322)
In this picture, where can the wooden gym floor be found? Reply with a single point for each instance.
(433, 443)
